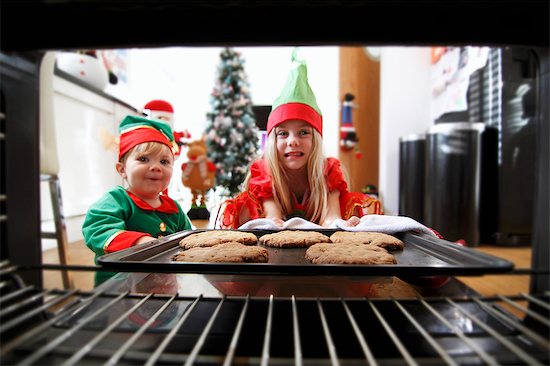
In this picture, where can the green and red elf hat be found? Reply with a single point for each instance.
(296, 101)
(135, 130)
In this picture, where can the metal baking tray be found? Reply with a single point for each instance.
(422, 256)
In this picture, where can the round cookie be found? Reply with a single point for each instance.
(293, 239)
(215, 237)
(231, 252)
(382, 240)
(348, 253)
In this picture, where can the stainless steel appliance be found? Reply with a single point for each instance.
(45, 326)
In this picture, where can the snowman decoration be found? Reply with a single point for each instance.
(86, 66)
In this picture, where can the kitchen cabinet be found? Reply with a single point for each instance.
(86, 123)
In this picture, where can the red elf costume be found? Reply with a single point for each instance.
(296, 102)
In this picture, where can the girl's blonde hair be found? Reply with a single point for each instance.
(318, 190)
(151, 147)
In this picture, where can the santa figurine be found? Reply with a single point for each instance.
(162, 110)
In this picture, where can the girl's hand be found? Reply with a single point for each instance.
(272, 211)
(353, 221)
(279, 222)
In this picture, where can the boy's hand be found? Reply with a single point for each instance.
(144, 239)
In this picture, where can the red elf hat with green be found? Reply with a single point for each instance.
(135, 130)
(297, 100)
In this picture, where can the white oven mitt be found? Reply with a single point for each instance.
(378, 223)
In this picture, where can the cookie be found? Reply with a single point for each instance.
(293, 239)
(382, 240)
(215, 237)
(348, 253)
(231, 252)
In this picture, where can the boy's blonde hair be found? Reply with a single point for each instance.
(318, 190)
(151, 147)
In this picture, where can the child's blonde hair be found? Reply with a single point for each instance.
(151, 147)
(318, 190)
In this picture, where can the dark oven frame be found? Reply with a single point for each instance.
(75, 327)
(111, 24)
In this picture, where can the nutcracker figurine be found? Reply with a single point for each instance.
(348, 135)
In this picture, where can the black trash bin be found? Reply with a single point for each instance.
(411, 176)
(453, 180)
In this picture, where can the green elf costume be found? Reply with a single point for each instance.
(119, 218)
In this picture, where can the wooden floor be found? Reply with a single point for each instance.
(79, 254)
(503, 284)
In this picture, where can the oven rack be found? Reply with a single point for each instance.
(62, 327)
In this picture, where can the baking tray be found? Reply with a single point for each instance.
(422, 256)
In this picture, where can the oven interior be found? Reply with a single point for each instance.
(136, 326)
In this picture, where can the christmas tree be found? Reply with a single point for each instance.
(231, 131)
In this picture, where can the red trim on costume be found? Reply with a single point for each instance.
(137, 136)
(125, 239)
(291, 111)
(334, 176)
(441, 236)
(167, 204)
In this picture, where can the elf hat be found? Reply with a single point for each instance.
(160, 109)
(297, 100)
(135, 130)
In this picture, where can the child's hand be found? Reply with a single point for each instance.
(352, 221)
(279, 222)
(144, 239)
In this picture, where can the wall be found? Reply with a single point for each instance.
(404, 109)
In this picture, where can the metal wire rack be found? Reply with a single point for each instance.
(58, 327)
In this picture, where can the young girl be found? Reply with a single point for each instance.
(140, 213)
(293, 178)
